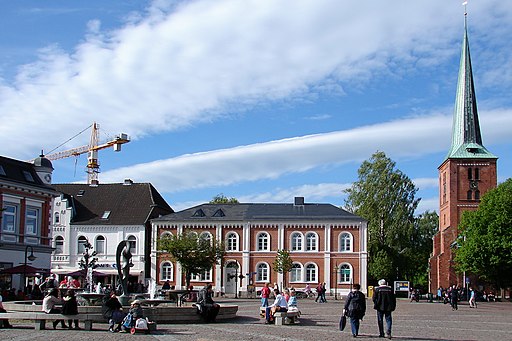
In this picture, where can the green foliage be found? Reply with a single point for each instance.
(194, 254)
(385, 197)
(222, 199)
(283, 263)
(485, 238)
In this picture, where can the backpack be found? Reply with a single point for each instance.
(357, 306)
(141, 324)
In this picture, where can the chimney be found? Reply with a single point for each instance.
(299, 201)
(128, 182)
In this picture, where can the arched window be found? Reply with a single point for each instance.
(345, 242)
(56, 218)
(263, 242)
(262, 272)
(232, 241)
(81, 244)
(296, 241)
(166, 234)
(166, 271)
(206, 236)
(311, 273)
(100, 245)
(311, 241)
(59, 244)
(132, 241)
(296, 273)
(345, 273)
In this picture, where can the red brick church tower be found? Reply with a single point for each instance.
(468, 171)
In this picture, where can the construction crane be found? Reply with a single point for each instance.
(93, 165)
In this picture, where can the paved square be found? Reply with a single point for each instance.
(318, 322)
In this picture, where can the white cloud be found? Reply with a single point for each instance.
(186, 64)
(422, 136)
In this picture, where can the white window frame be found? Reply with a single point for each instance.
(296, 242)
(59, 245)
(296, 273)
(10, 211)
(342, 241)
(80, 244)
(311, 273)
(342, 278)
(166, 271)
(204, 276)
(132, 242)
(311, 242)
(262, 272)
(104, 248)
(263, 241)
(232, 241)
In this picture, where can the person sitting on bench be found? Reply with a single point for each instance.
(279, 304)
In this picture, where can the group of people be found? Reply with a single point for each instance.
(69, 307)
(384, 302)
(118, 320)
(283, 301)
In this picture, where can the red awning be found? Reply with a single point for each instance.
(23, 269)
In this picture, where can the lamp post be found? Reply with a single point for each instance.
(31, 258)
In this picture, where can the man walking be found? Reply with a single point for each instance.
(384, 301)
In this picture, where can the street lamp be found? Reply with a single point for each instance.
(31, 258)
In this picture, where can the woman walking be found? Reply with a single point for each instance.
(355, 308)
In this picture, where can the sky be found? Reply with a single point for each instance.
(258, 100)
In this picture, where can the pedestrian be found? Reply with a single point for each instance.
(112, 310)
(265, 294)
(70, 307)
(472, 298)
(319, 289)
(355, 308)
(49, 306)
(454, 297)
(4, 323)
(324, 290)
(384, 301)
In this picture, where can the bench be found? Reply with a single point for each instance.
(282, 317)
(40, 318)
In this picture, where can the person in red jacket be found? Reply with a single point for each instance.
(265, 294)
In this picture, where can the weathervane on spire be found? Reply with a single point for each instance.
(465, 4)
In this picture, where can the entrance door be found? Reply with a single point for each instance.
(230, 280)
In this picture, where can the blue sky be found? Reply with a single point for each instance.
(258, 100)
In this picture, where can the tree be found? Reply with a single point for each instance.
(222, 199)
(283, 263)
(87, 264)
(485, 238)
(385, 197)
(195, 254)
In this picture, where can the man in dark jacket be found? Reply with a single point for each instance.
(384, 301)
(207, 307)
(355, 308)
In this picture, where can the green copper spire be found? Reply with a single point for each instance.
(466, 136)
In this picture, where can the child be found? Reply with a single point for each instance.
(70, 307)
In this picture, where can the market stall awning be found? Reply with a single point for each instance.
(23, 269)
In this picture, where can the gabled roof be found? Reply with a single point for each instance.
(466, 136)
(20, 172)
(258, 212)
(127, 204)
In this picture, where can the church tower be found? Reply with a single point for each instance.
(468, 171)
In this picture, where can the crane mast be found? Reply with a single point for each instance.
(93, 165)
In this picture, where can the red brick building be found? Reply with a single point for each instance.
(326, 243)
(468, 171)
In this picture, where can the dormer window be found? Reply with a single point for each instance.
(199, 213)
(28, 176)
(81, 192)
(105, 215)
(219, 213)
(2, 171)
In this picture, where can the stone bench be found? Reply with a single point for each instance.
(280, 318)
(40, 318)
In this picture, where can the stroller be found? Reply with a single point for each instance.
(135, 325)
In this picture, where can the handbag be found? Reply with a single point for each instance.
(343, 322)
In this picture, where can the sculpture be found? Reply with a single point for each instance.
(124, 263)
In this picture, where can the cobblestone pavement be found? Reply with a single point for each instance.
(318, 322)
